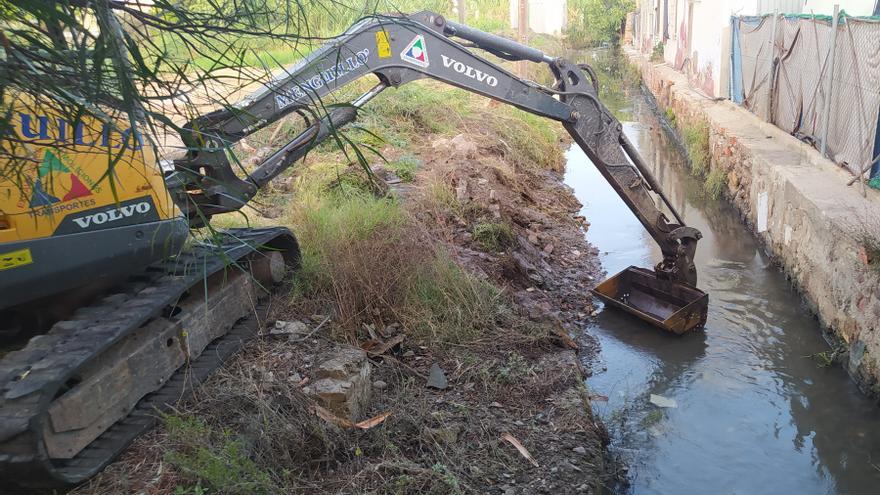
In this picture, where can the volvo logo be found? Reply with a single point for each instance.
(469, 71)
(113, 215)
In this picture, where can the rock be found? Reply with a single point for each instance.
(295, 377)
(380, 385)
(461, 190)
(436, 378)
(496, 405)
(533, 238)
(341, 363)
(289, 328)
(342, 382)
(409, 354)
(579, 450)
(548, 249)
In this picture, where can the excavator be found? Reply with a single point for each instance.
(126, 312)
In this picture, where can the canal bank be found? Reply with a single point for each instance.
(745, 406)
(824, 234)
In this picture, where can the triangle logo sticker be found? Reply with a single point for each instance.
(416, 52)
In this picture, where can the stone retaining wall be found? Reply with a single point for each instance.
(799, 206)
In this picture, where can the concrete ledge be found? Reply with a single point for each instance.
(798, 205)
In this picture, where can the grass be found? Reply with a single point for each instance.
(696, 141)
(493, 237)
(405, 167)
(715, 182)
(214, 457)
(528, 141)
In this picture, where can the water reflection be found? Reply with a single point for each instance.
(754, 414)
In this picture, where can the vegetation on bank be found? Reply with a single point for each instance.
(695, 136)
(370, 260)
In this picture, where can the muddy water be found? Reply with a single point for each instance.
(753, 414)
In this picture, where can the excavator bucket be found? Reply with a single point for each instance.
(672, 306)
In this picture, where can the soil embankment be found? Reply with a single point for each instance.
(443, 306)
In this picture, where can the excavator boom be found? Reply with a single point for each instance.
(399, 50)
(132, 316)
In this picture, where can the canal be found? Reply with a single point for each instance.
(748, 407)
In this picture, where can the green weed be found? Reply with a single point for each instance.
(652, 418)
(493, 237)
(215, 458)
(529, 141)
(696, 141)
(715, 182)
(405, 167)
(670, 115)
(445, 304)
(447, 477)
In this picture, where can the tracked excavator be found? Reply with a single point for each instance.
(129, 312)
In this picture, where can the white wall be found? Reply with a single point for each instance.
(545, 16)
(852, 7)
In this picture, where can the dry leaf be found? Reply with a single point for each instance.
(564, 338)
(374, 421)
(522, 450)
(329, 417)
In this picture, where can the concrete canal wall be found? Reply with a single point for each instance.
(822, 232)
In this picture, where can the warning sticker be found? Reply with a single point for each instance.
(383, 47)
(416, 52)
(15, 259)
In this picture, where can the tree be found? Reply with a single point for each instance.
(597, 21)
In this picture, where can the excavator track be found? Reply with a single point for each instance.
(47, 371)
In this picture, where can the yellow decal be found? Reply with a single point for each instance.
(382, 44)
(14, 259)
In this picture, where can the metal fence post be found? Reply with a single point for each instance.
(769, 116)
(829, 82)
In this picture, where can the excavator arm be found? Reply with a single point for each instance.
(398, 50)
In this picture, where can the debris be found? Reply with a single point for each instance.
(383, 347)
(441, 435)
(331, 418)
(289, 328)
(409, 354)
(437, 379)
(522, 450)
(660, 401)
(548, 249)
(374, 421)
(579, 450)
(380, 385)
(598, 398)
(533, 238)
(564, 339)
(496, 405)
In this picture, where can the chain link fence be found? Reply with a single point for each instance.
(786, 72)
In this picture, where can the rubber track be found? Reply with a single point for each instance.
(32, 377)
